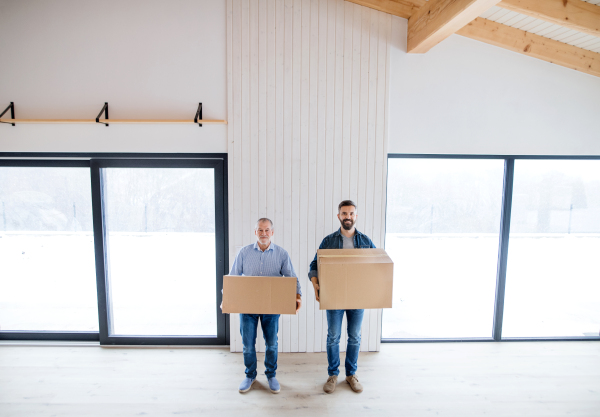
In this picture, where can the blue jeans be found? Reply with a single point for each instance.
(248, 327)
(334, 331)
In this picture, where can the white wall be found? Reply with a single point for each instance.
(308, 83)
(304, 85)
(149, 59)
(468, 97)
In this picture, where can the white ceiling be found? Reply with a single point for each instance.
(545, 29)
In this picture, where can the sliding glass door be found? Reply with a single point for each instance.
(160, 235)
(47, 277)
(493, 248)
(553, 277)
(443, 224)
(124, 249)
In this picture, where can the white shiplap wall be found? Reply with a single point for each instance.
(308, 93)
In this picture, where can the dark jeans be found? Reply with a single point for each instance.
(334, 331)
(248, 327)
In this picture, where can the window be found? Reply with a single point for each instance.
(490, 247)
(120, 248)
(160, 225)
(47, 271)
(553, 279)
(443, 222)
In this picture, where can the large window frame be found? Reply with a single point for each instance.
(507, 195)
(96, 162)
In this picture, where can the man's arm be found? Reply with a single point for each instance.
(313, 274)
(287, 270)
(312, 270)
(371, 243)
(238, 264)
(236, 269)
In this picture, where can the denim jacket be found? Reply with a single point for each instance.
(335, 241)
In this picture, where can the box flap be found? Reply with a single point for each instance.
(353, 256)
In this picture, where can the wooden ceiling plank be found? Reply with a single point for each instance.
(573, 14)
(438, 19)
(402, 8)
(533, 45)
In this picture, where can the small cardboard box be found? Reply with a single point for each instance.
(259, 295)
(354, 278)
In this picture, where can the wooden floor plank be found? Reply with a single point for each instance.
(420, 379)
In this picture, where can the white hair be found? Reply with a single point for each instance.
(263, 219)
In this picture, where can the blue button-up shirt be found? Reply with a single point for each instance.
(273, 262)
(335, 241)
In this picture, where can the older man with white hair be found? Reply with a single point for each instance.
(263, 258)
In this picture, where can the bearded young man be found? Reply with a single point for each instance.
(346, 237)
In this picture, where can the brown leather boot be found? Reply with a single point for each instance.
(330, 385)
(354, 384)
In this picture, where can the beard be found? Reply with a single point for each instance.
(347, 224)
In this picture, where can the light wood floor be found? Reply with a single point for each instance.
(438, 379)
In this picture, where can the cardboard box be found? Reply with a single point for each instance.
(354, 279)
(259, 295)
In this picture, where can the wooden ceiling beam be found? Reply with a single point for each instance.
(401, 8)
(573, 14)
(533, 45)
(438, 19)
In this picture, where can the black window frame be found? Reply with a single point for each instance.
(507, 194)
(95, 162)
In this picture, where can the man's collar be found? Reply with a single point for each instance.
(266, 250)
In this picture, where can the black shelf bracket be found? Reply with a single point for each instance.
(105, 110)
(198, 115)
(11, 106)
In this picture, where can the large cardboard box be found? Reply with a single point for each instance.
(259, 295)
(354, 278)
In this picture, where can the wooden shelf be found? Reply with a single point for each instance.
(112, 121)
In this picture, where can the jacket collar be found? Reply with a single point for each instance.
(338, 232)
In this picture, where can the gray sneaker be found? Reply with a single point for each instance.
(246, 384)
(330, 385)
(274, 385)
